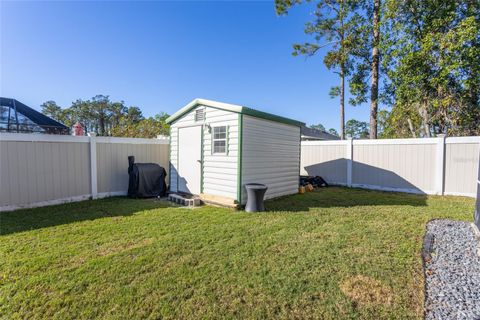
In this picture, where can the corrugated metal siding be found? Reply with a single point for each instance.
(32, 171)
(461, 168)
(326, 160)
(112, 162)
(270, 155)
(219, 171)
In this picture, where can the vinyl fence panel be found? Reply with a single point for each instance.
(112, 161)
(327, 159)
(428, 166)
(38, 169)
(41, 171)
(461, 165)
(401, 167)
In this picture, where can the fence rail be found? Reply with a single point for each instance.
(445, 166)
(39, 169)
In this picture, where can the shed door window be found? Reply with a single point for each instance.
(220, 140)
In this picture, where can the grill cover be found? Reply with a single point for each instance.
(146, 180)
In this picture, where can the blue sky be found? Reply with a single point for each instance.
(161, 55)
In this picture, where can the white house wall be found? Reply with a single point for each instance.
(219, 171)
(271, 156)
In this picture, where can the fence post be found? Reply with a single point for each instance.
(440, 164)
(349, 160)
(476, 215)
(93, 164)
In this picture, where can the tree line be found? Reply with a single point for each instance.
(353, 128)
(418, 59)
(108, 118)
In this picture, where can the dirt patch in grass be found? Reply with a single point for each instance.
(366, 291)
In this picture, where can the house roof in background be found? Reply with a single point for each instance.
(233, 108)
(37, 117)
(310, 133)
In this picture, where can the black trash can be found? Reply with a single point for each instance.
(255, 193)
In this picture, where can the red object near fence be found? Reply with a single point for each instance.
(78, 129)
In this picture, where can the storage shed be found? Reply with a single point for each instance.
(216, 148)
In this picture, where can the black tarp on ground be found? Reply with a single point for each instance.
(316, 181)
(146, 180)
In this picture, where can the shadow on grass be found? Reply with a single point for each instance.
(343, 197)
(37, 218)
(335, 170)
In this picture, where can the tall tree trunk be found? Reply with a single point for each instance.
(102, 125)
(342, 77)
(342, 102)
(410, 126)
(425, 119)
(375, 66)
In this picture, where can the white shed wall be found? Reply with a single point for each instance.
(219, 171)
(270, 155)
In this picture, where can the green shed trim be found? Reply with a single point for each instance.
(232, 108)
(178, 155)
(239, 159)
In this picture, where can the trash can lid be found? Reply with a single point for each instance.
(256, 186)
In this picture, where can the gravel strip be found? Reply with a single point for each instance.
(453, 273)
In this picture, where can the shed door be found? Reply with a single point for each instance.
(189, 159)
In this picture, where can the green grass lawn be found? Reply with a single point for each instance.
(334, 253)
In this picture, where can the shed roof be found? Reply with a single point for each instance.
(233, 108)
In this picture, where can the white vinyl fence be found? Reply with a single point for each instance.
(38, 169)
(444, 166)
